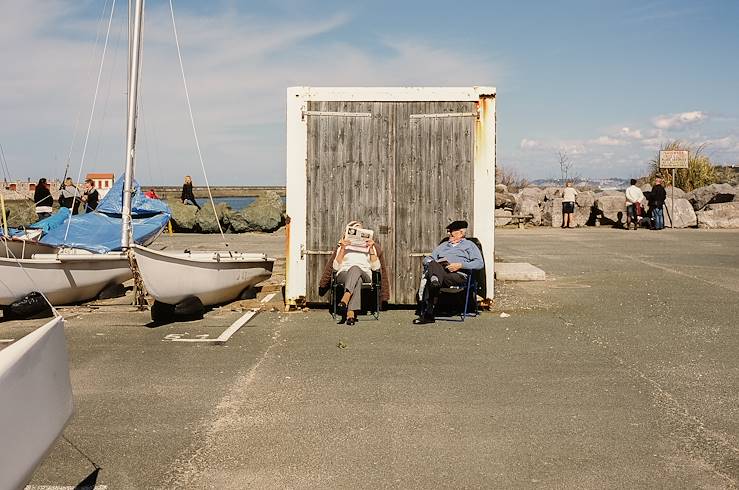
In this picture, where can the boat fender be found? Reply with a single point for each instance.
(32, 305)
(190, 307)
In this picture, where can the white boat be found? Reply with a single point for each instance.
(213, 277)
(64, 278)
(35, 402)
(24, 246)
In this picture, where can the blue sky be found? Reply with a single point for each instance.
(607, 82)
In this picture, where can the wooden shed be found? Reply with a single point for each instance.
(404, 160)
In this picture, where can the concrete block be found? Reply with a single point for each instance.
(520, 271)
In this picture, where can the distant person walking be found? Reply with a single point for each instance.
(656, 202)
(90, 196)
(151, 194)
(43, 200)
(569, 195)
(634, 198)
(69, 196)
(187, 195)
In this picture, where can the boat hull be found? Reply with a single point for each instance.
(20, 248)
(63, 280)
(212, 277)
(36, 401)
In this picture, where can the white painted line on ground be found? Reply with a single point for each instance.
(235, 326)
(66, 487)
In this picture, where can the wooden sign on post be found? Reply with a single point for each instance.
(673, 159)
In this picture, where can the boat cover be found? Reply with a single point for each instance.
(100, 231)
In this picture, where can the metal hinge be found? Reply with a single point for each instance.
(445, 114)
(304, 252)
(331, 113)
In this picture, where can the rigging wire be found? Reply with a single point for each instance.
(6, 170)
(94, 102)
(116, 51)
(192, 121)
(89, 71)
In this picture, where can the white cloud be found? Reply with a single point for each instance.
(527, 144)
(607, 141)
(238, 67)
(630, 133)
(679, 120)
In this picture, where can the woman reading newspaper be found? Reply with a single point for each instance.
(355, 259)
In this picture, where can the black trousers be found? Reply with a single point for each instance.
(430, 292)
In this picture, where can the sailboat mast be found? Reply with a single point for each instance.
(134, 43)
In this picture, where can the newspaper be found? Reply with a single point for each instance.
(357, 238)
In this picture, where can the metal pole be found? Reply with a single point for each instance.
(672, 205)
(135, 51)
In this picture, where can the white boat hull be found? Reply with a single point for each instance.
(63, 279)
(21, 248)
(36, 401)
(213, 277)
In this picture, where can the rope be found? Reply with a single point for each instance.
(139, 289)
(94, 102)
(192, 121)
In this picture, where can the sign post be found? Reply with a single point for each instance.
(673, 159)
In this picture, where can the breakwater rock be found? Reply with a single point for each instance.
(712, 206)
(266, 214)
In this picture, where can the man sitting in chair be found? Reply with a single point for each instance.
(447, 266)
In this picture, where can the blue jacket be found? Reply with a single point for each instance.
(464, 252)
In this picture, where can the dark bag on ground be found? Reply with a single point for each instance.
(31, 305)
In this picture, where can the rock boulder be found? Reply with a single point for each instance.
(528, 205)
(184, 216)
(551, 193)
(720, 215)
(505, 200)
(711, 194)
(551, 213)
(502, 217)
(679, 193)
(533, 193)
(206, 218)
(266, 214)
(611, 209)
(684, 213)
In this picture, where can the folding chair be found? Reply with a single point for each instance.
(370, 302)
(450, 296)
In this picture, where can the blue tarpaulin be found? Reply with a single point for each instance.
(100, 231)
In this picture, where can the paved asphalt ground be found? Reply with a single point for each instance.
(621, 370)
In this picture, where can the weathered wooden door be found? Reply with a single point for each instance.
(434, 153)
(350, 176)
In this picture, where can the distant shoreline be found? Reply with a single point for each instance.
(173, 192)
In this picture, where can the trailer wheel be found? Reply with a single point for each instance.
(162, 312)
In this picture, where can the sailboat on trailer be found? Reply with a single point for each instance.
(212, 277)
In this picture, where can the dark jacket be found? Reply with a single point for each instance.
(328, 270)
(657, 196)
(187, 193)
(42, 196)
(92, 200)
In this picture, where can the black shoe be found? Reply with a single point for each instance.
(423, 320)
(351, 321)
(341, 308)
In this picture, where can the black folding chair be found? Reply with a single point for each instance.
(370, 296)
(450, 298)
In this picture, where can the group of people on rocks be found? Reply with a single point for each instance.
(450, 264)
(655, 198)
(69, 197)
(635, 199)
